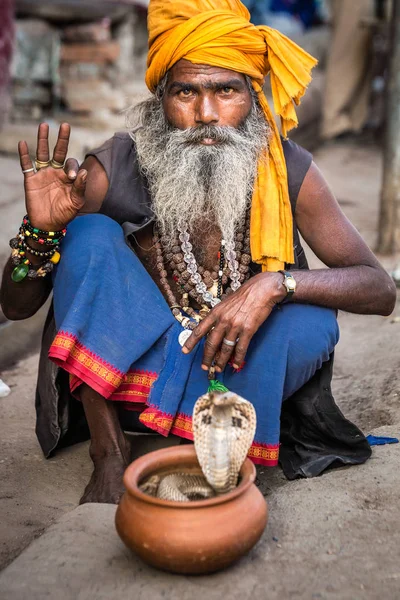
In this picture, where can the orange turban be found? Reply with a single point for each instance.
(219, 33)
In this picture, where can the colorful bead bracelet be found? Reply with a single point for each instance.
(27, 248)
(23, 266)
(39, 235)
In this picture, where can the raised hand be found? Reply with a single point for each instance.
(53, 196)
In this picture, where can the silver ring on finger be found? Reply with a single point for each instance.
(229, 342)
(32, 170)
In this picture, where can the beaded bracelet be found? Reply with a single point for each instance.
(38, 253)
(23, 266)
(26, 222)
(39, 235)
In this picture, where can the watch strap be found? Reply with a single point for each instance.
(290, 289)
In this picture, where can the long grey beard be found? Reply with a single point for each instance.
(190, 183)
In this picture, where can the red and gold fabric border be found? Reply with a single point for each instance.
(133, 389)
(165, 424)
(157, 420)
(86, 367)
(67, 352)
(181, 425)
(264, 454)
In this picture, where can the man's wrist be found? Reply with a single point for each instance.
(279, 290)
(289, 285)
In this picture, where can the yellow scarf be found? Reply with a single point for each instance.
(219, 33)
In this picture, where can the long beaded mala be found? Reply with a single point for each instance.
(205, 287)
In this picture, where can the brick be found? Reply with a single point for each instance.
(88, 32)
(88, 96)
(106, 52)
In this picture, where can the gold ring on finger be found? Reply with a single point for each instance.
(40, 164)
(56, 165)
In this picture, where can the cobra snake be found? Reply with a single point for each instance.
(223, 429)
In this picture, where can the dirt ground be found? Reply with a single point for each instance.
(35, 492)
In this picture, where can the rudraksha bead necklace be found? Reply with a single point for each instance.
(205, 287)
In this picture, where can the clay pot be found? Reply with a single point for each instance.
(189, 537)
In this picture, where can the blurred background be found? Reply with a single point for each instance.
(83, 61)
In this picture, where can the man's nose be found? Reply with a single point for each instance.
(206, 111)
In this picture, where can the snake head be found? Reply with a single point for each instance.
(223, 398)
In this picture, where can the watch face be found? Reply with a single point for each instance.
(291, 284)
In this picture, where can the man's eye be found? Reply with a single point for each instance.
(227, 90)
(186, 92)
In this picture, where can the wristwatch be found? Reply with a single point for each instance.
(290, 284)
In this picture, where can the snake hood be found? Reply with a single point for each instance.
(224, 425)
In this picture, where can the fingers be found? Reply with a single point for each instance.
(71, 168)
(212, 346)
(218, 353)
(61, 147)
(78, 189)
(215, 351)
(198, 333)
(24, 159)
(42, 148)
(241, 348)
(226, 350)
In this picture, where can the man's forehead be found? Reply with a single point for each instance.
(189, 72)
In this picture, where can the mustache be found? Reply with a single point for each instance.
(194, 135)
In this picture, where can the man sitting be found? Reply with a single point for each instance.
(207, 273)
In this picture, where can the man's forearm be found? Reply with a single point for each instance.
(22, 300)
(359, 289)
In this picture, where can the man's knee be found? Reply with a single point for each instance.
(313, 330)
(90, 244)
(91, 239)
(93, 231)
(313, 333)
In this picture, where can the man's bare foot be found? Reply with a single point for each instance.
(105, 484)
(110, 450)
